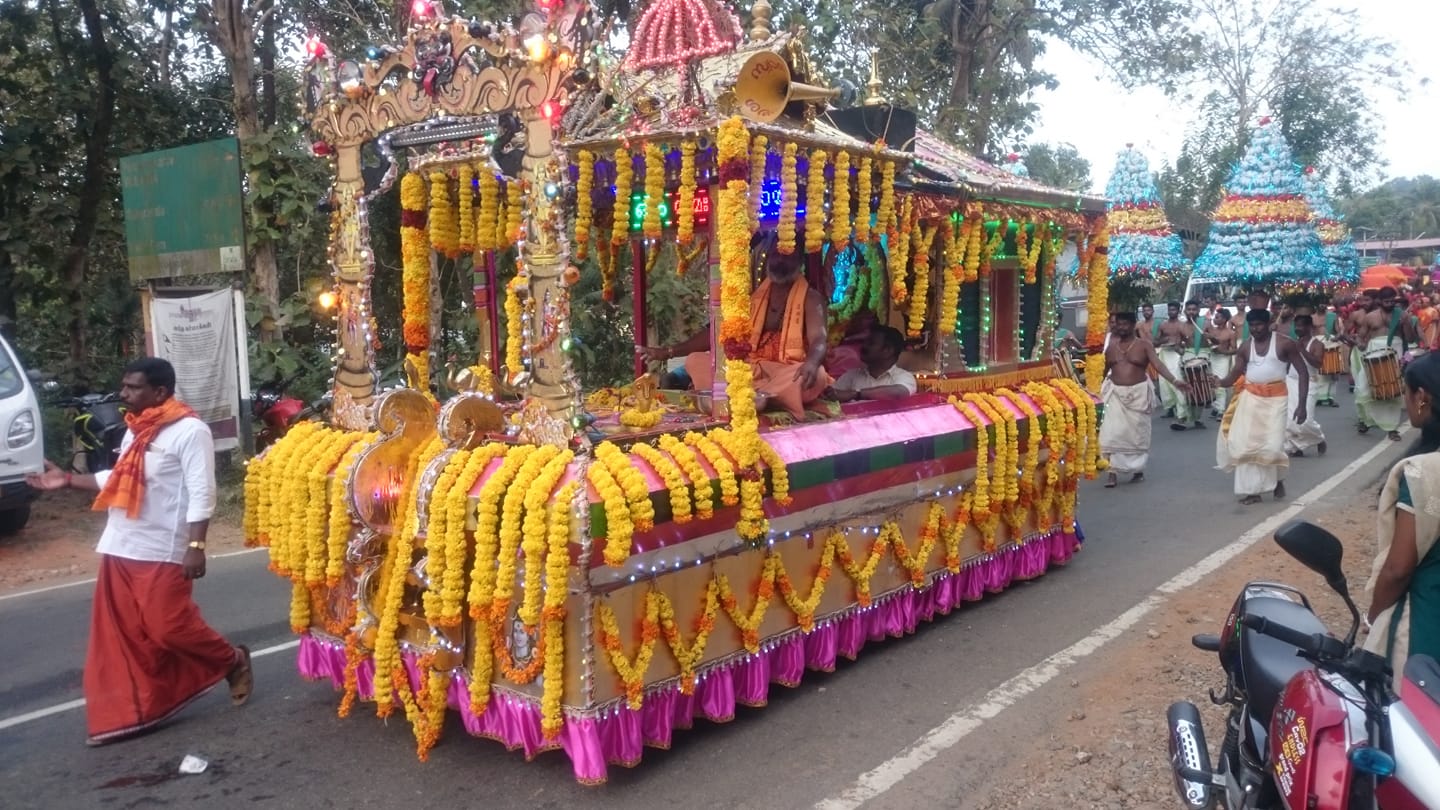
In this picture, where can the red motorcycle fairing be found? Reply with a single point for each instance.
(1310, 741)
(282, 413)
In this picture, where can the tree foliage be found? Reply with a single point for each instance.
(1403, 208)
(1058, 166)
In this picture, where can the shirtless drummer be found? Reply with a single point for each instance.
(1129, 400)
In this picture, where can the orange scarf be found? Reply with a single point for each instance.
(792, 328)
(125, 488)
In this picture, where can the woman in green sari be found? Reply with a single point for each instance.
(1405, 582)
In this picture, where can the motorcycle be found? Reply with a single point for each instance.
(97, 427)
(1313, 721)
(274, 412)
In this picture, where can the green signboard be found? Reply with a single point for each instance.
(184, 211)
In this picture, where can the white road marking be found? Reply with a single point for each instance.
(22, 719)
(960, 724)
(91, 580)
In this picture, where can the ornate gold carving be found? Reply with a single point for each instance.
(467, 418)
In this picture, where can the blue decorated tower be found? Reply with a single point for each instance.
(1261, 233)
(1142, 245)
(1335, 240)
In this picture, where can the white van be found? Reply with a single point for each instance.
(22, 444)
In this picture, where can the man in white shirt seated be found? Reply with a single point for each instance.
(879, 377)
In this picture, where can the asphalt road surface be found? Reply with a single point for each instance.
(287, 748)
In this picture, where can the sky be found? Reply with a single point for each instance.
(1083, 111)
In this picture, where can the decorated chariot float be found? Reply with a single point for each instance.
(591, 571)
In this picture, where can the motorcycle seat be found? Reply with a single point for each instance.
(1266, 663)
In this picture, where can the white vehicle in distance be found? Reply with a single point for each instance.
(22, 443)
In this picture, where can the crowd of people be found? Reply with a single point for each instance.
(1261, 375)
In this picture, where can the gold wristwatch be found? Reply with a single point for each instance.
(197, 544)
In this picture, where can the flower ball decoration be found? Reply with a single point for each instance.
(672, 33)
(1142, 244)
(1016, 166)
(1335, 241)
(1261, 233)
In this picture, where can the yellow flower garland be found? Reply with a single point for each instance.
(815, 201)
(885, 218)
(749, 622)
(584, 203)
(514, 210)
(804, 607)
(900, 254)
(465, 185)
(514, 331)
(456, 503)
(734, 235)
(631, 670)
(341, 522)
(537, 535)
(557, 573)
(1098, 280)
(619, 530)
(636, 418)
(688, 656)
(637, 492)
(435, 533)
(920, 296)
(954, 275)
(840, 202)
(415, 274)
(624, 177)
(703, 487)
(779, 474)
(685, 200)
(974, 246)
(444, 229)
(672, 475)
(759, 157)
(864, 199)
(525, 489)
(861, 574)
(789, 194)
(486, 235)
(654, 189)
(720, 463)
(483, 575)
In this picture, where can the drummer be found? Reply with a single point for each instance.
(1301, 436)
(1381, 326)
(1329, 333)
(1222, 339)
(1174, 338)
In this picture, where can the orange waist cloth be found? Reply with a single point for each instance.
(1277, 388)
(790, 346)
(151, 652)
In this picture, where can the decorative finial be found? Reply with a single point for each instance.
(760, 21)
(872, 87)
(1130, 145)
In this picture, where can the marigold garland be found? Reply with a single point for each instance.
(689, 656)
(734, 236)
(748, 622)
(974, 245)
(637, 492)
(456, 503)
(514, 211)
(861, 574)
(840, 202)
(435, 529)
(537, 535)
(685, 199)
(486, 236)
(636, 418)
(529, 480)
(557, 572)
(954, 275)
(702, 487)
(885, 216)
(483, 575)
(341, 522)
(900, 254)
(444, 227)
(920, 296)
(815, 201)
(619, 530)
(864, 201)
(465, 186)
(654, 189)
(631, 670)
(584, 203)
(789, 200)
(514, 328)
(804, 607)
(672, 475)
(415, 274)
(624, 178)
(720, 463)
(1098, 280)
(759, 160)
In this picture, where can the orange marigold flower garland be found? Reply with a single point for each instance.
(920, 296)
(673, 477)
(631, 481)
(914, 562)
(619, 530)
(465, 185)
(974, 246)
(779, 474)
(537, 534)
(444, 227)
(861, 574)
(1030, 260)
(523, 491)
(1098, 280)
(815, 201)
(735, 151)
(654, 190)
(483, 575)
(900, 254)
(415, 273)
(789, 201)
(689, 656)
(980, 504)
(514, 328)
(734, 236)
(624, 178)
(685, 199)
(953, 275)
(486, 235)
(885, 216)
(1030, 463)
(748, 622)
(514, 211)
(456, 502)
(557, 573)
(341, 520)
(864, 200)
(631, 670)
(702, 487)
(840, 202)
(584, 203)
(804, 607)
(720, 463)
(435, 520)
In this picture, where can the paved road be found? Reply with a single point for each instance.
(288, 749)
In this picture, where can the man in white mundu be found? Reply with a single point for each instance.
(1251, 442)
(1302, 436)
(1129, 400)
(1381, 326)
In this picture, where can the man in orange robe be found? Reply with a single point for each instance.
(787, 336)
(151, 652)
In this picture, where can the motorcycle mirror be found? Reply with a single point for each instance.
(1317, 549)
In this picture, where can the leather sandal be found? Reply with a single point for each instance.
(241, 678)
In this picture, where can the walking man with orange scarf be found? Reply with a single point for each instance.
(151, 653)
(1251, 443)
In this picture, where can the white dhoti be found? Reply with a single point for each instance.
(1301, 436)
(1251, 441)
(1171, 396)
(1385, 414)
(1125, 431)
(1220, 365)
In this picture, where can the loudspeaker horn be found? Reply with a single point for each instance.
(763, 88)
